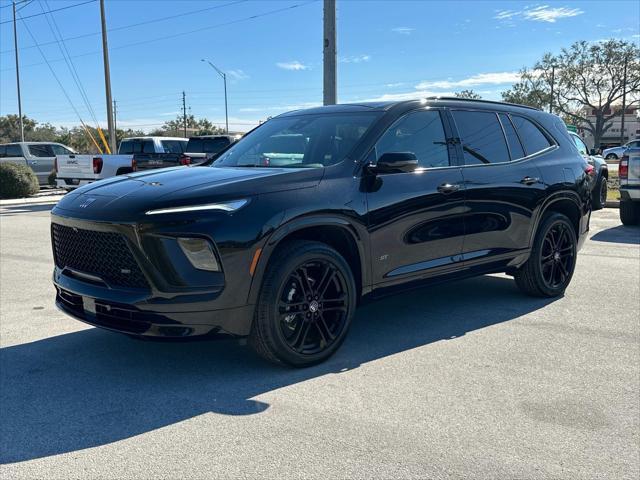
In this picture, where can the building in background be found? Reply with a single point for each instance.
(611, 137)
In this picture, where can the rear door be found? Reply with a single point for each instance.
(415, 219)
(41, 159)
(502, 182)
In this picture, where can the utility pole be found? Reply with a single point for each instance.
(107, 81)
(15, 44)
(553, 77)
(224, 79)
(184, 112)
(624, 99)
(330, 52)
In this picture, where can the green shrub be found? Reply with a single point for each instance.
(17, 181)
(51, 179)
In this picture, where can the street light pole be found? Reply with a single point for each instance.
(329, 52)
(224, 79)
(15, 44)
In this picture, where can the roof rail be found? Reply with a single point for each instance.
(481, 101)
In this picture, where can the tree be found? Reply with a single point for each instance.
(201, 126)
(468, 94)
(10, 127)
(588, 81)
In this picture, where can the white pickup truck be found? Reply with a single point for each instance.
(139, 153)
(629, 174)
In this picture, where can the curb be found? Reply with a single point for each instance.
(26, 202)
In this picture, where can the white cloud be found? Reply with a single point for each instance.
(539, 13)
(294, 65)
(403, 30)
(356, 59)
(237, 74)
(495, 78)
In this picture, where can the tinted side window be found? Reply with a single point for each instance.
(127, 147)
(173, 146)
(420, 133)
(481, 136)
(633, 145)
(14, 151)
(515, 147)
(532, 138)
(215, 145)
(3, 151)
(60, 150)
(41, 150)
(148, 147)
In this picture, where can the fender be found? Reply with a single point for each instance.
(300, 223)
(550, 200)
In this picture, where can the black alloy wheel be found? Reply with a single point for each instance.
(306, 304)
(557, 256)
(548, 271)
(312, 307)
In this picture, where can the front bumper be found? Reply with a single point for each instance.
(166, 299)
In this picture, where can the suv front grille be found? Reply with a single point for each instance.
(102, 254)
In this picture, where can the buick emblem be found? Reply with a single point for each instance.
(87, 202)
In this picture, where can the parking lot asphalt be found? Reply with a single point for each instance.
(469, 379)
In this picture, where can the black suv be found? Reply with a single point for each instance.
(281, 246)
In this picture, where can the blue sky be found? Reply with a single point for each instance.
(386, 50)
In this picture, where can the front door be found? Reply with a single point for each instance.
(415, 219)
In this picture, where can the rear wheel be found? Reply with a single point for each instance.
(629, 212)
(611, 156)
(599, 197)
(306, 304)
(550, 267)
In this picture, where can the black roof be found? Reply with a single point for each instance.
(383, 106)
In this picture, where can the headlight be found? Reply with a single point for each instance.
(199, 253)
(224, 206)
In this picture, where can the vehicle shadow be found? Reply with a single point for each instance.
(619, 234)
(9, 210)
(92, 387)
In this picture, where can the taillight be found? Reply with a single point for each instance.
(134, 165)
(623, 167)
(97, 164)
(185, 160)
(590, 170)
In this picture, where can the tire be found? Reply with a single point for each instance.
(306, 303)
(611, 156)
(629, 212)
(599, 195)
(553, 257)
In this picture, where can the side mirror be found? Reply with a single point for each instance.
(396, 162)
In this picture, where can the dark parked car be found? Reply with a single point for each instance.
(204, 147)
(384, 196)
(599, 173)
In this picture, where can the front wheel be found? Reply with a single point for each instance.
(550, 267)
(306, 304)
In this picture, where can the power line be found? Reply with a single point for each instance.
(132, 25)
(189, 32)
(70, 65)
(56, 10)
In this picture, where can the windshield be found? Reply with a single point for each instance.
(304, 141)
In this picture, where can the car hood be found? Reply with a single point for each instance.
(125, 198)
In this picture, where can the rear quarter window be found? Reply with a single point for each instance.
(532, 138)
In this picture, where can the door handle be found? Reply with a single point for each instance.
(33, 162)
(529, 180)
(448, 188)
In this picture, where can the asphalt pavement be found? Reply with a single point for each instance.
(464, 380)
